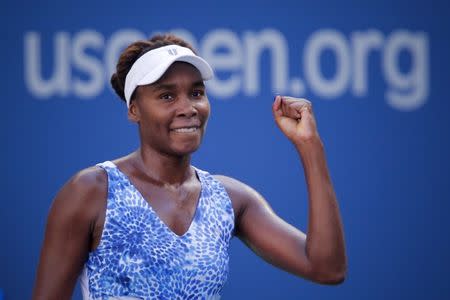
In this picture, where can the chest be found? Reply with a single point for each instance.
(174, 207)
(142, 255)
(198, 220)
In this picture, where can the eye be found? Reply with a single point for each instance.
(198, 93)
(166, 96)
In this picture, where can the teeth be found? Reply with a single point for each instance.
(186, 129)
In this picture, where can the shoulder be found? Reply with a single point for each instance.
(90, 181)
(243, 197)
(235, 188)
(82, 197)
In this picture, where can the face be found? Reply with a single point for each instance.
(172, 113)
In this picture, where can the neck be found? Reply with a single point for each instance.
(163, 169)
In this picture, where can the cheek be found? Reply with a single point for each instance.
(204, 109)
(153, 122)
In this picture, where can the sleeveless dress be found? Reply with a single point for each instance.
(139, 257)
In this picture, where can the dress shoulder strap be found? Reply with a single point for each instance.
(106, 164)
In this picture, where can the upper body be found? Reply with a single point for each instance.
(172, 114)
(140, 256)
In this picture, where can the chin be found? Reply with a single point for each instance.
(186, 149)
(186, 146)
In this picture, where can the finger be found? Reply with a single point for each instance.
(305, 111)
(293, 109)
(276, 107)
(284, 107)
(293, 106)
(308, 116)
(298, 105)
(294, 112)
(290, 100)
(303, 106)
(306, 108)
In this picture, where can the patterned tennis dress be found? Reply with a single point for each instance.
(139, 257)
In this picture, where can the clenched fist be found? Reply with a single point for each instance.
(295, 118)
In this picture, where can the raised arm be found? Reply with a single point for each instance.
(320, 255)
(68, 233)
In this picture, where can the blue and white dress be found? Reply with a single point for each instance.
(139, 257)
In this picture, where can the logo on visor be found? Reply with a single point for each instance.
(172, 51)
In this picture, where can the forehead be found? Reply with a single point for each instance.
(180, 71)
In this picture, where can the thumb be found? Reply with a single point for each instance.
(276, 108)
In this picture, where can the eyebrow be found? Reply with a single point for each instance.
(172, 86)
(162, 86)
(199, 83)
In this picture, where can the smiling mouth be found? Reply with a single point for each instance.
(186, 129)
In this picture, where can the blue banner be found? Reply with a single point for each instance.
(377, 73)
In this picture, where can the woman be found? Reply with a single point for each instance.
(151, 226)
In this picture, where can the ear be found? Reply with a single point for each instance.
(133, 112)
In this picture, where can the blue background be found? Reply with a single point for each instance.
(390, 168)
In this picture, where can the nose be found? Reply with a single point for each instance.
(186, 107)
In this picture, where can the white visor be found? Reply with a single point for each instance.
(152, 65)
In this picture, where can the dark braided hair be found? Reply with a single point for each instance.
(136, 50)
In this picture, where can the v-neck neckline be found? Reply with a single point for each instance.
(150, 208)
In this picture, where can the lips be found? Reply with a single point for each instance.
(190, 129)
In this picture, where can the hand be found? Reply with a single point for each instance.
(295, 118)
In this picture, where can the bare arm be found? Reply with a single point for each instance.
(320, 255)
(67, 238)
